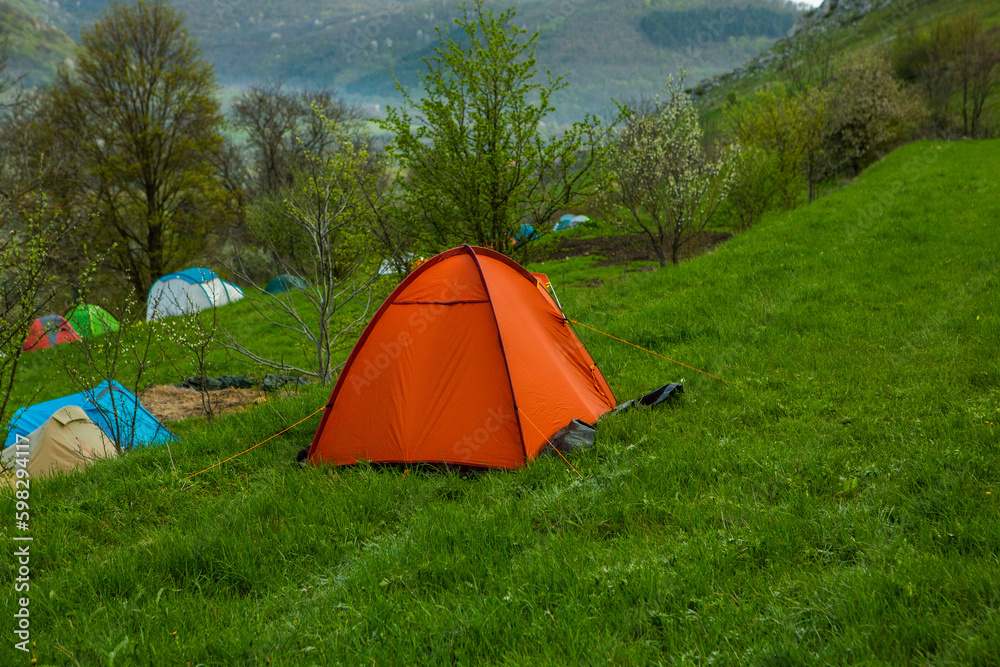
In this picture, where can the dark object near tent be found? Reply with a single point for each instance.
(285, 282)
(469, 362)
(653, 398)
(581, 435)
(575, 435)
(49, 331)
(89, 320)
(111, 406)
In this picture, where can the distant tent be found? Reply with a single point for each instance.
(65, 441)
(569, 222)
(49, 331)
(525, 233)
(189, 291)
(89, 320)
(111, 406)
(285, 282)
(469, 361)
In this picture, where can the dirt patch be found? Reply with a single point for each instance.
(619, 250)
(169, 403)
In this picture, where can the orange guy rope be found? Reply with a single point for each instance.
(645, 350)
(550, 443)
(257, 445)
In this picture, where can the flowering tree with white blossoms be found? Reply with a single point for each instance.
(665, 186)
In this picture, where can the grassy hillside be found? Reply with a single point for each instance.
(836, 501)
(36, 48)
(843, 36)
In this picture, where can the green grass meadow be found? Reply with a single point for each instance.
(835, 501)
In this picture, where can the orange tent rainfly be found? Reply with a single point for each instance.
(470, 362)
(49, 331)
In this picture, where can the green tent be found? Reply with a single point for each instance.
(89, 320)
(283, 283)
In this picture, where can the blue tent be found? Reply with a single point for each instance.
(111, 406)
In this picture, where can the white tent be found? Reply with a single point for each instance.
(189, 291)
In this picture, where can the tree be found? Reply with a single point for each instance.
(27, 283)
(476, 165)
(28, 237)
(922, 58)
(138, 121)
(664, 186)
(320, 234)
(976, 56)
(6, 83)
(814, 66)
(813, 119)
(955, 58)
(281, 128)
(13, 109)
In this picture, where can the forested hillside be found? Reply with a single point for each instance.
(610, 48)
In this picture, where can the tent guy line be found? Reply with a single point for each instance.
(554, 448)
(622, 340)
(289, 428)
(321, 408)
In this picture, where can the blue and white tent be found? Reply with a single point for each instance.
(189, 291)
(111, 406)
(569, 221)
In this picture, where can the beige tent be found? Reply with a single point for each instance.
(67, 440)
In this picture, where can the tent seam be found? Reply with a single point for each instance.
(503, 350)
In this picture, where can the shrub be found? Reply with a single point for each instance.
(788, 129)
(873, 114)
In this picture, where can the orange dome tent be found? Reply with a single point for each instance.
(470, 362)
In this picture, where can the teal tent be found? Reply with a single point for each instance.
(285, 282)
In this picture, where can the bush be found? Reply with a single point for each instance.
(874, 113)
(788, 130)
(750, 193)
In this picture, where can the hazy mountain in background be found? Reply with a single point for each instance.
(611, 48)
(37, 48)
